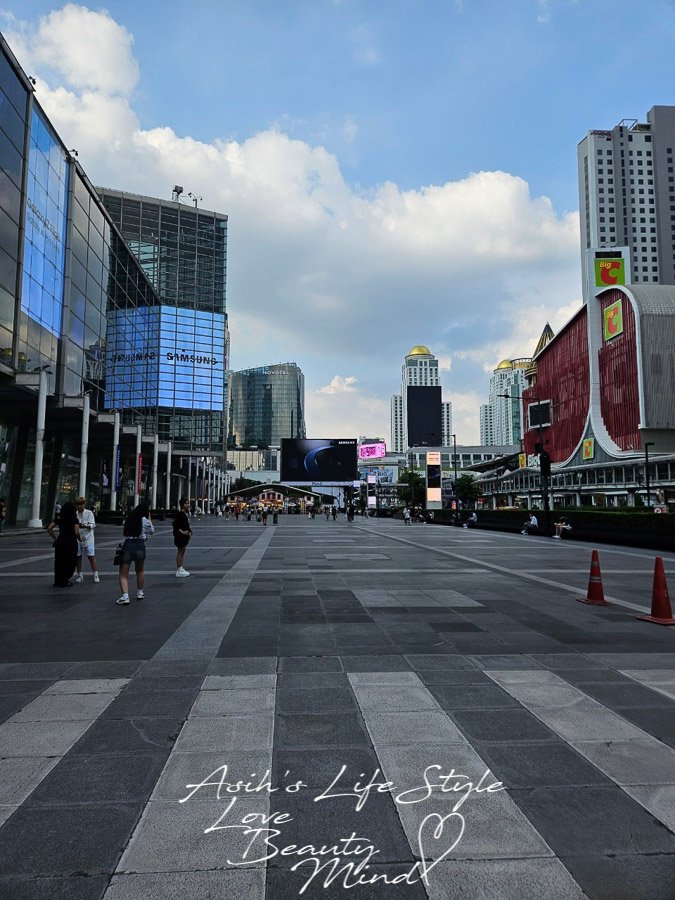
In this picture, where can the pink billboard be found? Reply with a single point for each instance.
(373, 451)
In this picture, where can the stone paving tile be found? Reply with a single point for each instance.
(75, 839)
(245, 883)
(32, 739)
(225, 733)
(21, 775)
(84, 887)
(507, 879)
(171, 837)
(233, 702)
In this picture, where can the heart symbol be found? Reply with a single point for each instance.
(437, 834)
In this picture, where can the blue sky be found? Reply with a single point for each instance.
(384, 164)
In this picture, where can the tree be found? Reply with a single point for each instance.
(467, 489)
(239, 484)
(411, 488)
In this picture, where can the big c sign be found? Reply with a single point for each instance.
(609, 272)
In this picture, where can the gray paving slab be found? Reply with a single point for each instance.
(466, 628)
(19, 776)
(506, 879)
(244, 883)
(31, 739)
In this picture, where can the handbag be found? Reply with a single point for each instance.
(119, 555)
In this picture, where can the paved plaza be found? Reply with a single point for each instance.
(333, 710)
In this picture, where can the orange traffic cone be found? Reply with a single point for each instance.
(595, 595)
(662, 614)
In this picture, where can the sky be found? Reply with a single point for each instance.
(395, 172)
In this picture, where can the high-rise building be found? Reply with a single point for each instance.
(266, 405)
(183, 252)
(85, 338)
(420, 369)
(627, 200)
(501, 417)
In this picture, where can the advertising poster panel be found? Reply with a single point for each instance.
(372, 451)
(433, 467)
(331, 460)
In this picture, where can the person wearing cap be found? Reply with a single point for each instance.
(86, 545)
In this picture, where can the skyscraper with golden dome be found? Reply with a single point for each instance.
(501, 417)
(420, 369)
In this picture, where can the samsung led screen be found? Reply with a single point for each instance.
(313, 460)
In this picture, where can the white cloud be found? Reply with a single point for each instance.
(330, 276)
(88, 49)
(364, 47)
(340, 385)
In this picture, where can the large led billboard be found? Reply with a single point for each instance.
(45, 230)
(165, 356)
(332, 460)
(373, 451)
(423, 406)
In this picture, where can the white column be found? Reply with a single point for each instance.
(113, 468)
(139, 445)
(155, 461)
(84, 445)
(167, 498)
(188, 492)
(35, 520)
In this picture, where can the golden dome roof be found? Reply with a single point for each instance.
(419, 350)
(505, 364)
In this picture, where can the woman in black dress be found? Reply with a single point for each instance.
(65, 545)
(181, 536)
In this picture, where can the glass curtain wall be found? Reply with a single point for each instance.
(183, 252)
(267, 404)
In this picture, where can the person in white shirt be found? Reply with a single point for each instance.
(532, 524)
(86, 545)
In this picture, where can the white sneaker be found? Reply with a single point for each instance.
(79, 579)
(123, 600)
(96, 578)
(140, 595)
(182, 573)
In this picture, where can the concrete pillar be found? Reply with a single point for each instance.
(84, 445)
(155, 466)
(113, 468)
(137, 474)
(35, 520)
(188, 492)
(167, 500)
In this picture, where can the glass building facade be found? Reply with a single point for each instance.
(76, 303)
(184, 346)
(266, 405)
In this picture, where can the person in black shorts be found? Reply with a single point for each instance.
(181, 536)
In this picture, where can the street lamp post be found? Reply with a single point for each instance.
(454, 459)
(648, 444)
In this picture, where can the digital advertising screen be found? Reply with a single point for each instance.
(373, 451)
(423, 405)
(165, 356)
(311, 459)
(434, 494)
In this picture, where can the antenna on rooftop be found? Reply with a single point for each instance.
(177, 191)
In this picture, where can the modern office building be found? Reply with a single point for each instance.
(419, 370)
(500, 417)
(79, 319)
(183, 252)
(627, 202)
(266, 405)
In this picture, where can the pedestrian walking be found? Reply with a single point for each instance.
(334, 512)
(65, 544)
(181, 537)
(327, 513)
(86, 545)
(265, 513)
(350, 512)
(406, 516)
(3, 512)
(137, 526)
